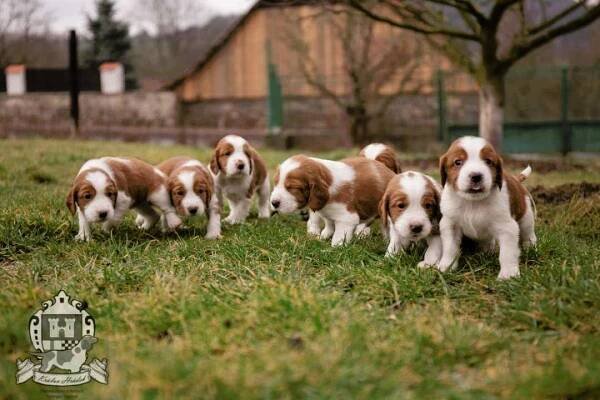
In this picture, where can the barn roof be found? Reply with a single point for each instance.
(224, 39)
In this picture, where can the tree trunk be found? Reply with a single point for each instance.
(359, 125)
(491, 110)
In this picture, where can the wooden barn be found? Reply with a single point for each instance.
(227, 89)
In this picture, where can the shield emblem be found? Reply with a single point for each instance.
(60, 324)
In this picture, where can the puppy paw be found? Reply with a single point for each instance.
(508, 274)
(313, 230)
(424, 265)
(213, 235)
(232, 220)
(326, 234)
(264, 213)
(80, 237)
(362, 231)
(172, 221)
(139, 221)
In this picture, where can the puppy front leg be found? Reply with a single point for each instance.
(343, 233)
(313, 226)
(451, 237)
(84, 234)
(396, 244)
(239, 211)
(147, 217)
(122, 206)
(213, 230)
(328, 230)
(160, 199)
(508, 240)
(433, 252)
(264, 209)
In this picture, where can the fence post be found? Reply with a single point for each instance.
(275, 98)
(441, 98)
(564, 111)
(74, 83)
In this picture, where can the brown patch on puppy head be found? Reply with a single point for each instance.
(494, 161)
(308, 183)
(257, 168)
(223, 150)
(387, 157)
(393, 203)
(431, 202)
(451, 163)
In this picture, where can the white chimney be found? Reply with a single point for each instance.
(15, 79)
(112, 78)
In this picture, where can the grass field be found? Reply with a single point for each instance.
(267, 312)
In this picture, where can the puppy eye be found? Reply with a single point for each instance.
(428, 206)
(87, 196)
(200, 191)
(401, 206)
(488, 161)
(458, 163)
(180, 193)
(228, 153)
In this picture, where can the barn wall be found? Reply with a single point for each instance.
(238, 70)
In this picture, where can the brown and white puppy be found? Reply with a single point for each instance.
(482, 202)
(192, 191)
(382, 153)
(239, 172)
(343, 193)
(374, 151)
(410, 212)
(106, 188)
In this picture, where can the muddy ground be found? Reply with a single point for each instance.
(564, 193)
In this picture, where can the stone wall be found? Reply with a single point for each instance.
(309, 122)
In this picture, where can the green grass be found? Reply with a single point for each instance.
(267, 312)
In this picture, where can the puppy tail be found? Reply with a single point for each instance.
(524, 174)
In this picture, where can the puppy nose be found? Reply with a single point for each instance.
(476, 177)
(416, 228)
(193, 210)
(102, 214)
(275, 203)
(240, 165)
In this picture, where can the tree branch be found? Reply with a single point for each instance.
(419, 29)
(520, 50)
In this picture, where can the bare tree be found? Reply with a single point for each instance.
(485, 38)
(376, 68)
(19, 20)
(168, 21)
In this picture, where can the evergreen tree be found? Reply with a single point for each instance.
(110, 40)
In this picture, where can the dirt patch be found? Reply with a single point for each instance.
(564, 193)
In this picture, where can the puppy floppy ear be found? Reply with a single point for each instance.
(72, 201)
(384, 204)
(499, 173)
(249, 151)
(318, 194)
(398, 168)
(215, 166)
(443, 170)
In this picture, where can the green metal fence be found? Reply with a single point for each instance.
(547, 110)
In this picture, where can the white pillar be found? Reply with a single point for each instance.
(112, 78)
(15, 79)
